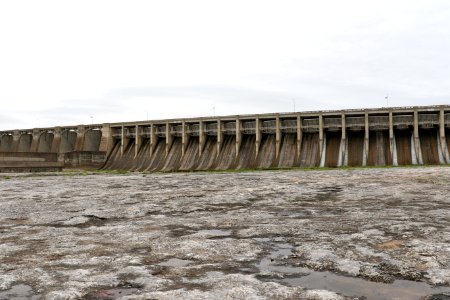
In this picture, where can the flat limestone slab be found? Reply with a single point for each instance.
(339, 234)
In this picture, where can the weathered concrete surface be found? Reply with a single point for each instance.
(341, 234)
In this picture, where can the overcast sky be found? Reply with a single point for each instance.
(63, 62)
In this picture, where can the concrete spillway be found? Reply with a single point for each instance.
(288, 153)
(247, 153)
(371, 137)
(379, 149)
(310, 152)
(333, 145)
(429, 146)
(207, 159)
(267, 154)
(355, 149)
(190, 159)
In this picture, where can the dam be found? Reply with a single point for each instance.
(368, 137)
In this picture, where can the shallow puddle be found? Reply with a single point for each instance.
(350, 286)
(344, 285)
(175, 262)
(19, 292)
(113, 293)
(215, 232)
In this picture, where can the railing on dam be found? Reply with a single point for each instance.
(269, 126)
(428, 120)
(355, 122)
(193, 129)
(310, 125)
(176, 130)
(229, 127)
(211, 129)
(332, 123)
(249, 127)
(146, 132)
(378, 122)
(403, 121)
(289, 126)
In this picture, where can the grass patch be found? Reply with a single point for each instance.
(115, 171)
(249, 170)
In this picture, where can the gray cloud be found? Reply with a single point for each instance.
(403, 52)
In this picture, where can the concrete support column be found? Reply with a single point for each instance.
(277, 137)
(169, 138)
(137, 140)
(344, 138)
(123, 140)
(184, 138)
(366, 137)
(16, 140)
(35, 141)
(81, 130)
(107, 141)
(238, 136)
(201, 137)
(258, 135)
(320, 136)
(416, 135)
(56, 140)
(299, 136)
(442, 135)
(391, 135)
(219, 136)
(153, 139)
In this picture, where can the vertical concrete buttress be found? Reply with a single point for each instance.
(366, 138)
(169, 138)
(238, 136)
(56, 139)
(153, 138)
(344, 138)
(137, 139)
(258, 135)
(416, 135)
(219, 136)
(277, 136)
(299, 136)
(201, 137)
(442, 135)
(79, 145)
(391, 135)
(320, 136)
(106, 142)
(122, 140)
(35, 141)
(184, 138)
(16, 140)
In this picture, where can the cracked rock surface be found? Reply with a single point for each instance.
(339, 234)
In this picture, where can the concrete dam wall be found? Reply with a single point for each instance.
(371, 137)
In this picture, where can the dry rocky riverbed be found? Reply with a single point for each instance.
(340, 234)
